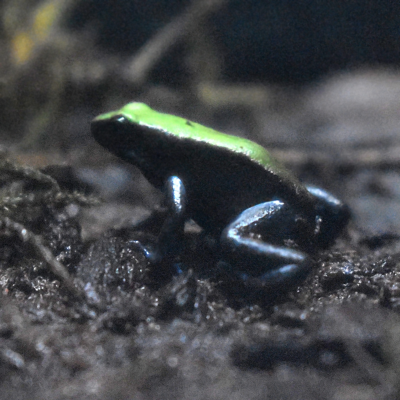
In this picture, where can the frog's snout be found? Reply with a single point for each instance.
(108, 132)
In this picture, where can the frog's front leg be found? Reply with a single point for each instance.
(170, 238)
(261, 263)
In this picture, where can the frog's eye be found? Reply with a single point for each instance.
(121, 120)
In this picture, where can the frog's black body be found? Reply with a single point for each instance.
(231, 197)
(214, 199)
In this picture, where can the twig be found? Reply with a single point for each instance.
(383, 158)
(55, 266)
(154, 49)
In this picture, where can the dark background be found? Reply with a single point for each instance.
(269, 41)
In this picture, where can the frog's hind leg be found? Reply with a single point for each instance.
(261, 263)
(332, 216)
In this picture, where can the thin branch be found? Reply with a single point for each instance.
(46, 255)
(383, 158)
(155, 48)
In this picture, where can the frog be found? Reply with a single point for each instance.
(266, 224)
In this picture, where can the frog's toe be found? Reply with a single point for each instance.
(282, 278)
(286, 276)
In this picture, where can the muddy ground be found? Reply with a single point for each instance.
(119, 328)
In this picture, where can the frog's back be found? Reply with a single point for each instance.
(185, 130)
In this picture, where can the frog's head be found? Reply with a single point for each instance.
(126, 134)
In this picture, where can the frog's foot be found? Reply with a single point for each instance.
(258, 263)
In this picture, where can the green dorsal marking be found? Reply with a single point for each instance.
(142, 114)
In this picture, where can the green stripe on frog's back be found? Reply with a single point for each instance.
(142, 114)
